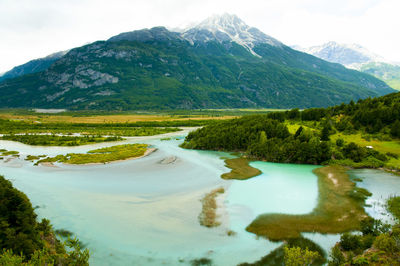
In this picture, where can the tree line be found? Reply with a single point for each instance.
(261, 137)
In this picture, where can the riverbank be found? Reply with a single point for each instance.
(339, 209)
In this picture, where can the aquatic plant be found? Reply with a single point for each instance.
(208, 215)
(240, 169)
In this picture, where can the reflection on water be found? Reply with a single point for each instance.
(382, 185)
(144, 212)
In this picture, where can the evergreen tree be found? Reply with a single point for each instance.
(325, 133)
(395, 130)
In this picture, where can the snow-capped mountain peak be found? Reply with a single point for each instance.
(350, 55)
(228, 27)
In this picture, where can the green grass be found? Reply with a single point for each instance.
(339, 209)
(8, 153)
(34, 157)
(54, 140)
(293, 126)
(393, 205)
(392, 146)
(103, 155)
(241, 169)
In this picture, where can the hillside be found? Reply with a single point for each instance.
(221, 63)
(32, 66)
(387, 72)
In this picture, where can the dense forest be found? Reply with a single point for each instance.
(25, 240)
(267, 137)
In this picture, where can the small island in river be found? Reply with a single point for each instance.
(103, 155)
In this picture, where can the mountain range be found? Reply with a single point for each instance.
(219, 63)
(33, 66)
(357, 57)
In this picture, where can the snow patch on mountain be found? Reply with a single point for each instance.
(228, 27)
(349, 55)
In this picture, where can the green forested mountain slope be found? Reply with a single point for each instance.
(158, 69)
(386, 72)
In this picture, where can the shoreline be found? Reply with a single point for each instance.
(338, 210)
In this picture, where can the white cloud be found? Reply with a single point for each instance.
(34, 28)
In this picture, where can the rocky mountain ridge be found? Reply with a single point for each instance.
(235, 67)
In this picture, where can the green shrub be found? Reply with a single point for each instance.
(339, 142)
(386, 243)
(350, 242)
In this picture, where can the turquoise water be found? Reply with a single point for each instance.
(281, 188)
(145, 212)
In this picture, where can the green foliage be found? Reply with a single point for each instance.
(8, 258)
(266, 137)
(18, 226)
(336, 257)
(395, 129)
(63, 233)
(370, 226)
(386, 243)
(350, 242)
(339, 142)
(356, 249)
(34, 242)
(295, 256)
(393, 205)
(277, 256)
(325, 133)
(262, 138)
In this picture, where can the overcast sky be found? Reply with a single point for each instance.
(31, 29)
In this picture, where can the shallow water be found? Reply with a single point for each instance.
(143, 212)
(382, 185)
